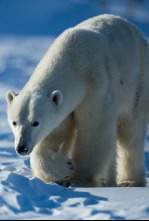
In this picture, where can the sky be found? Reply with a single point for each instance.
(51, 17)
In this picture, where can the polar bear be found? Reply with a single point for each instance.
(87, 100)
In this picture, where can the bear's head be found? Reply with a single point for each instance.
(32, 116)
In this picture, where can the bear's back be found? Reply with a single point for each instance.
(111, 27)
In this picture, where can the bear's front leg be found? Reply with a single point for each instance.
(50, 166)
(95, 147)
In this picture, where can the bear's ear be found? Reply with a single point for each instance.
(10, 96)
(56, 97)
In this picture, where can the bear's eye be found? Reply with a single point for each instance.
(35, 124)
(14, 123)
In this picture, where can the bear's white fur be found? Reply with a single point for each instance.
(89, 95)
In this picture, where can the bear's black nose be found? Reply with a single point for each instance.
(22, 150)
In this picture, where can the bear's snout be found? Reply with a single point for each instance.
(22, 150)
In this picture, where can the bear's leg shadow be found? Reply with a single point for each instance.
(112, 173)
(49, 159)
(95, 145)
(131, 136)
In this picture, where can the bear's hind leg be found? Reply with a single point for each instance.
(131, 136)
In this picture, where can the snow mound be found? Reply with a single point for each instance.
(23, 198)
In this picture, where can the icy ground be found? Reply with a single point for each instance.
(25, 197)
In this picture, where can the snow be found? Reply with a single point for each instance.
(22, 44)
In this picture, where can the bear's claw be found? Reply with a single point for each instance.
(70, 166)
(63, 183)
(128, 184)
